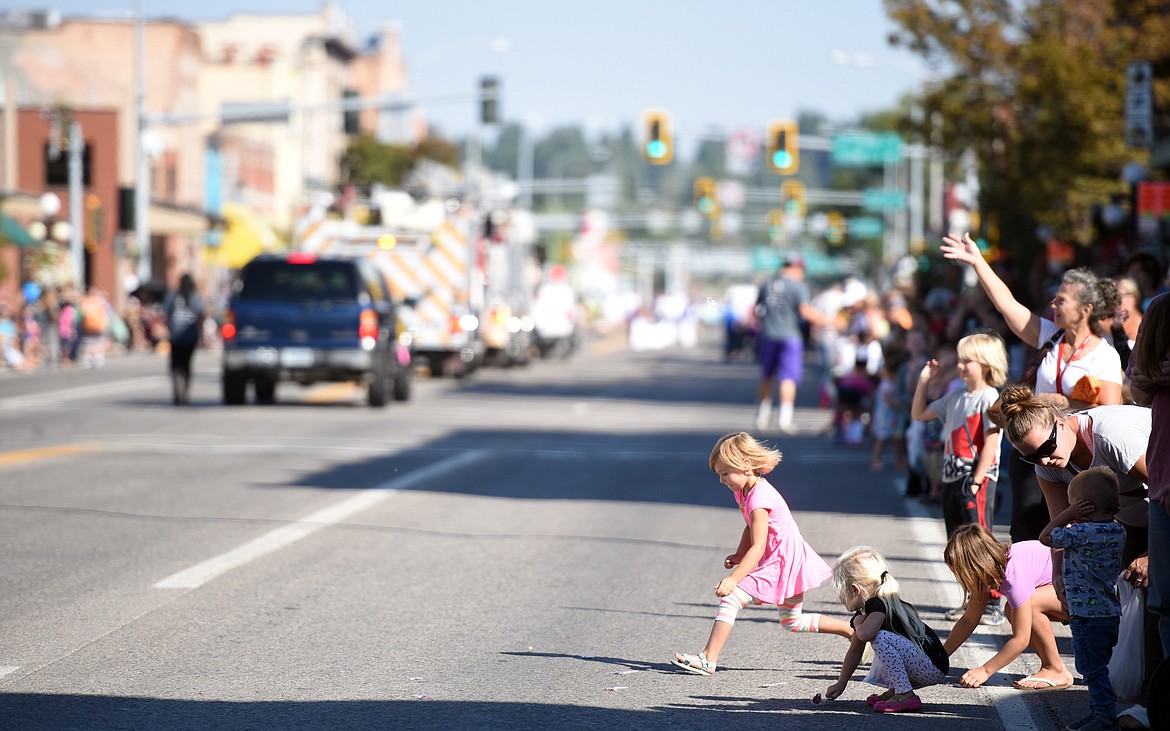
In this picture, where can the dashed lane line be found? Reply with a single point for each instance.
(285, 536)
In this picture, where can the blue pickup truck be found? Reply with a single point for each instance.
(304, 318)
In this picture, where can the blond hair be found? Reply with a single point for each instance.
(1019, 412)
(742, 451)
(987, 350)
(868, 569)
(976, 558)
(1099, 486)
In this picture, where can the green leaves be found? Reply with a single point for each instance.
(1036, 90)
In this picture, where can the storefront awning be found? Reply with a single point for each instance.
(13, 232)
(20, 205)
(169, 219)
(244, 237)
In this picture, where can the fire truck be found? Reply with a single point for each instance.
(461, 284)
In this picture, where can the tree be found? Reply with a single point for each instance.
(1035, 90)
(367, 161)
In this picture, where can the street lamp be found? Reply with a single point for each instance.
(48, 229)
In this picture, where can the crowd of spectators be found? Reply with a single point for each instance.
(873, 358)
(65, 328)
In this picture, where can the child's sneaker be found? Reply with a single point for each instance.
(992, 614)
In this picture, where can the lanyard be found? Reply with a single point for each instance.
(1060, 361)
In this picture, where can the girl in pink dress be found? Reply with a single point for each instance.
(772, 565)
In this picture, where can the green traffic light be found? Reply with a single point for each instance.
(782, 158)
(656, 149)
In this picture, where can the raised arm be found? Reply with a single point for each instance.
(1020, 319)
(919, 410)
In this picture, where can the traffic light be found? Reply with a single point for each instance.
(776, 226)
(489, 100)
(658, 140)
(794, 198)
(783, 147)
(835, 232)
(705, 199)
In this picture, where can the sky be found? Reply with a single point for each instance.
(715, 66)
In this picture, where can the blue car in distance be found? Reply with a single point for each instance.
(305, 318)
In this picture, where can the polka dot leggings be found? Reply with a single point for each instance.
(904, 666)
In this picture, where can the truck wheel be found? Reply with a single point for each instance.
(235, 387)
(403, 384)
(380, 388)
(265, 390)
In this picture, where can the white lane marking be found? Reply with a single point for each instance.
(8, 669)
(1008, 701)
(70, 395)
(279, 538)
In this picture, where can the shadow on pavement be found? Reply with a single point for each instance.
(36, 712)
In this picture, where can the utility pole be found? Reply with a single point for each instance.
(76, 243)
(142, 180)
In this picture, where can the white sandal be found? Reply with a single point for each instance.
(695, 664)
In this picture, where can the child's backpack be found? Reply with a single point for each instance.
(93, 317)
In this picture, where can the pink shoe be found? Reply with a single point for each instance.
(877, 698)
(899, 704)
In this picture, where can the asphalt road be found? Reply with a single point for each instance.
(521, 549)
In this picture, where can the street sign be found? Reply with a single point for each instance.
(1139, 105)
(743, 149)
(731, 194)
(1153, 199)
(865, 227)
(883, 199)
(744, 144)
(861, 149)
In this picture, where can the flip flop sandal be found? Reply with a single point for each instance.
(899, 705)
(694, 664)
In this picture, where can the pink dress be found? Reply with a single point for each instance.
(789, 565)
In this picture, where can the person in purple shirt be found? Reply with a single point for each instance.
(1021, 572)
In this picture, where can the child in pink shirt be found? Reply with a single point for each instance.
(1022, 572)
(772, 565)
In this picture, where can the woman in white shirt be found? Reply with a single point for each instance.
(1078, 369)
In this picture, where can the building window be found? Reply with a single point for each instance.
(57, 171)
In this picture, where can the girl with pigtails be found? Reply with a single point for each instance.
(907, 653)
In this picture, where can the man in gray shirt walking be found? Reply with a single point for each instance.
(782, 302)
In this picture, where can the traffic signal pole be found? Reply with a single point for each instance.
(142, 179)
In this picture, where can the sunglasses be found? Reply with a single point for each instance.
(1044, 450)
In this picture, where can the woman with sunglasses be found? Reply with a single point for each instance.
(1076, 367)
(1060, 446)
